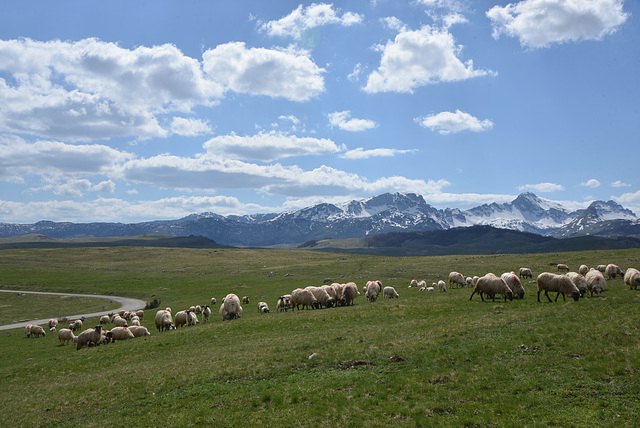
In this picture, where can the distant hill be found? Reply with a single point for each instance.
(147, 240)
(468, 240)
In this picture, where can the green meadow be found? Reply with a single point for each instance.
(425, 359)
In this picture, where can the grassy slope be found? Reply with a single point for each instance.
(432, 358)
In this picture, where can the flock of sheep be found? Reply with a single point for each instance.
(508, 285)
(127, 324)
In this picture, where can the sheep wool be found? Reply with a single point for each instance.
(583, 270)
(492, 285)
(632, 278)
(263, 308)
(180, 320)
(284, 303)
(105, 319)
(442, 286)
(206, 313)
(350, 292)
(562, 266)
(373, 289)
(525, 273)
(579, 281)
(230, 308)
(301, 296)
(612, 271)
(595, 282)
(163, 320)
(139, 331)
(36, 331)
(88, 337)
(321, 295)
(456, 278)
(561, 284)
(65, 336)
(53, 323)
(121, 333)
(514, 284)
(390, 293)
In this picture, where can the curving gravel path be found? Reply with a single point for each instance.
(127, 305)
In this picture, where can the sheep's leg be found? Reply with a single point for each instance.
(538, 296)
(474, 292)
(546, 293)
(557, 294)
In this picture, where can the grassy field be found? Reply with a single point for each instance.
(425, 359)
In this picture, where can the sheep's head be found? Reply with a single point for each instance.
(521, 295)
(509, 295)
(576, 295)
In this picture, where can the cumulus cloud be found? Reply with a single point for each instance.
(342, 120)
(78, 187)
(305, 18)
(361, 153)
(592, 183)
(286, 74)
(419, 58)
(541, 187)
(268, 146)
(449, 122)
(189, 127)
(619, 183)
(630, 200)
(541, 23)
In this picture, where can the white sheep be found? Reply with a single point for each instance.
(213, 301)
(284, 303)
(469, 281)
(429, 289)
(139, 331)
(492, 285)
(180, 320)
(390, 293)
(36, 331)
(561, 284)
(53, 323)
(331, 291)
(105, 319)
(413, 283)
(120, 322)
(65, 336)
(230, 308)
(612, 271)
(422, 283)
(263, 308)
(27, 330)
(442, 286)
(602, 268)
(349, 293)
(192, 318)
(595, 282)
(206, 313)
(373, 289)
(514, 284)
(301, 296)
(583, 269)
(163, 320)
(323, 298)
(632, 278)
(456, 278)
(88, 337)
(525, 272)
(579, 281)
(140, 313)
(245, 300)
(75, 325)
(562, 266)
(121, 333)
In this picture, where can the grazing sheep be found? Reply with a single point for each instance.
(350, 292)
(583, 269)
(36, 331)
(339, 288)
(514, 284)
(525, 273)
(475, 280)
(198, 309)
(245, 299)
(331, 291)
(561, 284)
(230, 308)
(164, 321)
(422, 283)
(92, 336)
(140, 313)
(612, 271)
(456, 278)
(469, 281)
(105, 337)
(120, 322)
(135, 322)
(65, 336)
(263, 308)
(632, 278)
(442, 286)
(373, 289)
(53, 323)
(213, 301)
(301, 296)
(579, 281)
(121, 333)
(602, 268)
(27, 330)
(105, 319)
(180, 320)
(323, 298)
(192, 318)
(76, 325)
(562, 266)
(139, 331)
(206, 313)
(390, 293)
(595, 282)
(492, 285)
(413, 283)
(284, 303)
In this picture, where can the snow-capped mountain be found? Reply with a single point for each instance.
(398, 212)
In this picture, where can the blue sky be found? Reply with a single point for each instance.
(134, 111)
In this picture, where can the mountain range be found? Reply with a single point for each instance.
(389, 212)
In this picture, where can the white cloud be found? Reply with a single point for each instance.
(465, 200)
(287, 74)
(541, 187)
(453, 5)
(354, 76)
(361, 153)
(619, 183)
(189, 127)
(342, 120)
(419, 58)
(291, 118)
(268, 146)
(449, 122)
(393, 23)
(592, 183)
(540, 23)
(304, 18)
(629, 200)
(78, 187)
